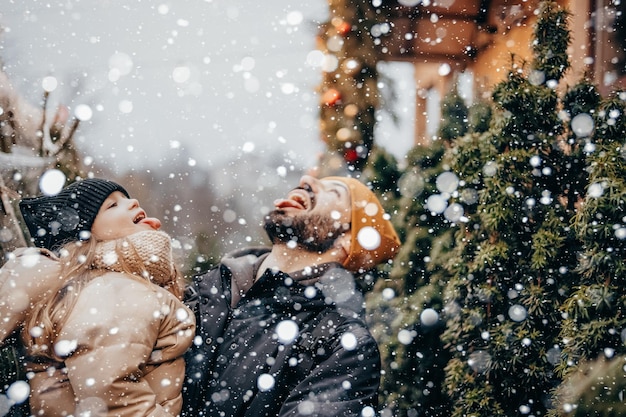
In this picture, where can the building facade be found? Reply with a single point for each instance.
(475, 42)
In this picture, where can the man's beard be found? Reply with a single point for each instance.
(312, 233)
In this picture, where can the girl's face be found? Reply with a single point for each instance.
(120, 216)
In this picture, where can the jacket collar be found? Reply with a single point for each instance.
(309, 276)
(244, 265)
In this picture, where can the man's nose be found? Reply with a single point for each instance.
(307, 179)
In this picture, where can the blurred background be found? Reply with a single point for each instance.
(208, 106)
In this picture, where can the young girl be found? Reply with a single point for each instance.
(110, 341)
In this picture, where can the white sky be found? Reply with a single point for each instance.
(218, 77)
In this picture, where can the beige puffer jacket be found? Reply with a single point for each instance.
(123, 344)
(26, 279)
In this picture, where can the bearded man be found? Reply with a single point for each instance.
(280, 330)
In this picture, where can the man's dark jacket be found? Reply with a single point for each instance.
(241, 366)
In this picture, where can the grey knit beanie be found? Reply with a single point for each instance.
(56, 219)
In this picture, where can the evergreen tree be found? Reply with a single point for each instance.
(404, 306)
(349, 93)
(383, 173)
(515, 253)
(479, 116)
(579, 103)
(595, 324)
(595, 389)
(455, 114)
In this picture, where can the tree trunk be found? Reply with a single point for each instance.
(11, 234)
(30, 143)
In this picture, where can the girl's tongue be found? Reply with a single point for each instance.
(153, 222)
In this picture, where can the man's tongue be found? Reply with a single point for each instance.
(288, 203)
(152, 222)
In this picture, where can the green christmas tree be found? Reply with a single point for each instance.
(349, 93)
(515, 252)
(489, 266)
(595, 325)
(403, 306)
(406, 305)
(455, 115)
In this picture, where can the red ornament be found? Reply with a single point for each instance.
(350, 155)
(344, 28)
(331, 97)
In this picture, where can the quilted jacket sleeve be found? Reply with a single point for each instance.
(25, 279)
(125, 342)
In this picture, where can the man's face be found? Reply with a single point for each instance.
(312, 216)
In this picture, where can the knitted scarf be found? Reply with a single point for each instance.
(147, 254)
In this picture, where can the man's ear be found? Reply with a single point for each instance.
(343, 242)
